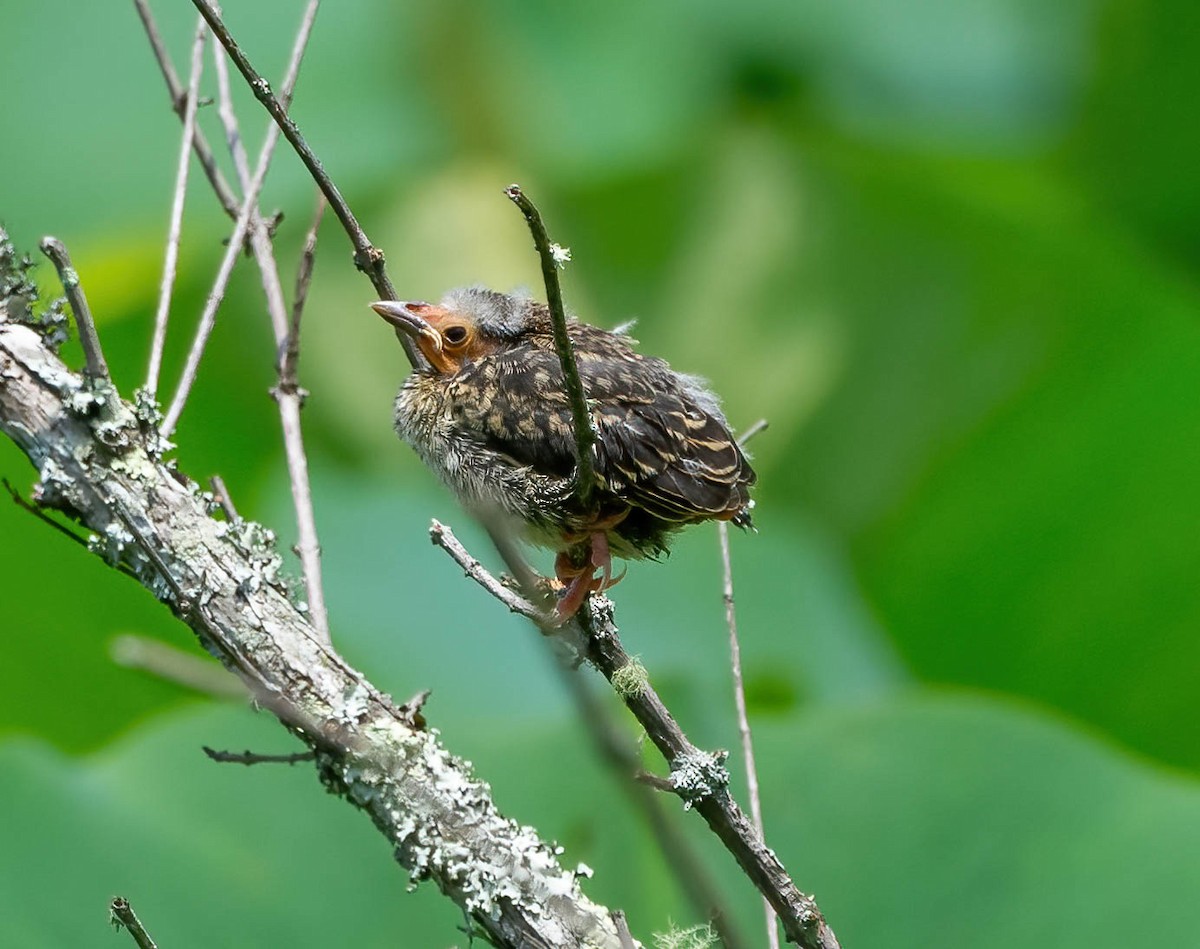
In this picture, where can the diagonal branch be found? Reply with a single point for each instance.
(585, 433)
(697, 777)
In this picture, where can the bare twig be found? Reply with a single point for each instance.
(443, 537)
(228, 117)
(174, 665)
(368, 258)
(40, 514)
(122, 916)
(225, 499)
(585, 434)
(755, 429)
(96, 367)
(739, 698)
(739, 691)
(175, 227)
(178, 95)
(291, 352)
(249, 757)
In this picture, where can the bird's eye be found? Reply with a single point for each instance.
(455, 335)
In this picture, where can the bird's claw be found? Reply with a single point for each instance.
(579, 581)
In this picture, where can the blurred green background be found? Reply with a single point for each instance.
(948, 249)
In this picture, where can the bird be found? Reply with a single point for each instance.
(489, 413)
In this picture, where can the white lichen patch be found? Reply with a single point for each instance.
(698, 775)
(355, 706)
(561, 255)
(446, 827)
(257, 543)
(111, 543)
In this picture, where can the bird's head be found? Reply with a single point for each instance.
(466, 325)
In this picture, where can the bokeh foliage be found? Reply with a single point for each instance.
(947, 249)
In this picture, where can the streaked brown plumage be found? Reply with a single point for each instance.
(491, 417)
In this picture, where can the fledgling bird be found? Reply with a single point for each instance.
(491, 416)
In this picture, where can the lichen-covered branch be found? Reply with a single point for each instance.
(99, 462)
(698, 777)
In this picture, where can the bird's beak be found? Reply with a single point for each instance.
(407, 318)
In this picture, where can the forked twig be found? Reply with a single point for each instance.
(290, 359)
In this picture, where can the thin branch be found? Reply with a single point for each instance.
(291, 352)
(177, 93)
(174, 665)
(228, 117)
(211, 305)
(755, 429)
(585, 433)
(739, 690)
(40, 514)
(224, 498)
(743, 720)
(122, 916)
(249, 757)
(96, 367)
(443, 537)
(179, 196)
(699, 778)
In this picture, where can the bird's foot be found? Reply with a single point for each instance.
(580, 580)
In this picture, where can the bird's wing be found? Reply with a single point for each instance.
(662, 444)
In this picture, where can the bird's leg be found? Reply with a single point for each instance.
(601, 559)
(580, 579)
